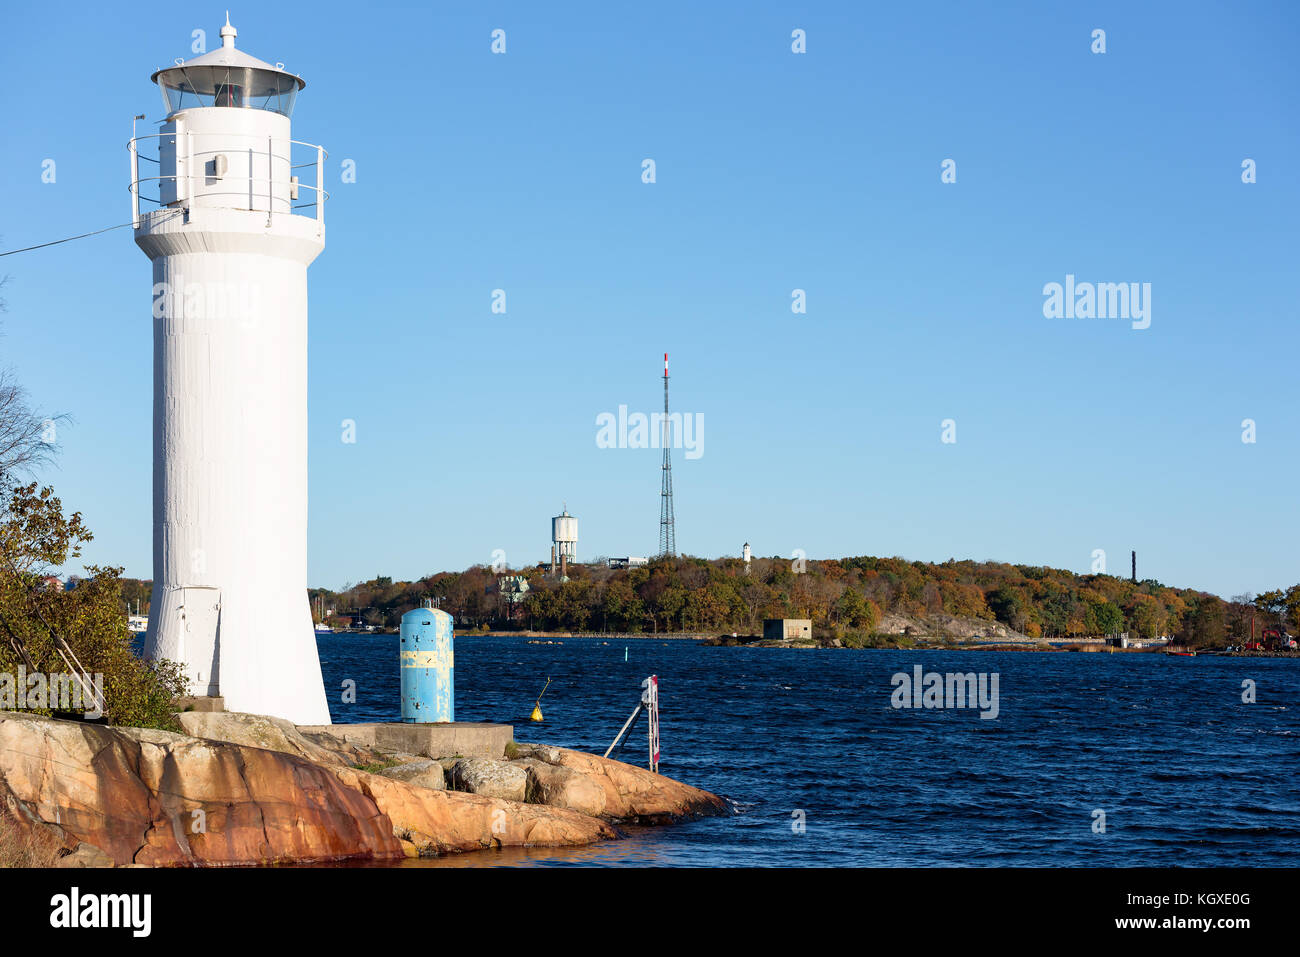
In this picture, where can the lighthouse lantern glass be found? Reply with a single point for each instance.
(185, 88)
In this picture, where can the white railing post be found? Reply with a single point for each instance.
(135, 185)
(320, 185)
(270, 177)
(182, 174)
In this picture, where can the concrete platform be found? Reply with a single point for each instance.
(464, 739)
(201, 703)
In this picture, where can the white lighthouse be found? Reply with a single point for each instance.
(231, 238)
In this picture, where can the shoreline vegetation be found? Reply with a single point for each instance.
(878, 642)
(854, 602)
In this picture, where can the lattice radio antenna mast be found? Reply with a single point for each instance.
(667, 531)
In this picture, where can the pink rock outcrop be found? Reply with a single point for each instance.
(631, 793)
(99, 795)
(152, 797)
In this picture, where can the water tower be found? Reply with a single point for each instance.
(564, 540)
(230, 240)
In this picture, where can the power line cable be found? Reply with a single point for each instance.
(69, 239)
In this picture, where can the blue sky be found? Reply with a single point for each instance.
(775, 171)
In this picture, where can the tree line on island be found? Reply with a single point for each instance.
(845, 598)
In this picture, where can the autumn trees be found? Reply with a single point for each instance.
(1206, 622)
(844, 598)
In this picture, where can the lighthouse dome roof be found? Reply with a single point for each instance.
(228, 76)
(231, 57)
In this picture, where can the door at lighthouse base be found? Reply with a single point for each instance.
(188, 633)
(202, 610)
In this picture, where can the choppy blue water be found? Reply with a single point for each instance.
(1185, 773)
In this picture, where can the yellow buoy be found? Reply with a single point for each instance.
(537, 708)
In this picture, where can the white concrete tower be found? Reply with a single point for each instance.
(564, 535)
(230, 247)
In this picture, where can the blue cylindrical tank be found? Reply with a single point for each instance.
(428, 666)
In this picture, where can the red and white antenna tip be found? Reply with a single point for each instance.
(665, 363)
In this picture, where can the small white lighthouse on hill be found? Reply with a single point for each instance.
(231, 238)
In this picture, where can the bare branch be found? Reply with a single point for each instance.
(27, 439)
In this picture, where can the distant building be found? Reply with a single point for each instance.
(630, 562)
(513, 588)
(52, 583)
(787, 629)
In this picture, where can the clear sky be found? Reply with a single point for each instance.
(775, 171)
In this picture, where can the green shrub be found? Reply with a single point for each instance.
(35, 535)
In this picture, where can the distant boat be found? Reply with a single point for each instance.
(324, 629)
(137, 624)
(1182, 654)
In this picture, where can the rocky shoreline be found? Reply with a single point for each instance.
(241, 790)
